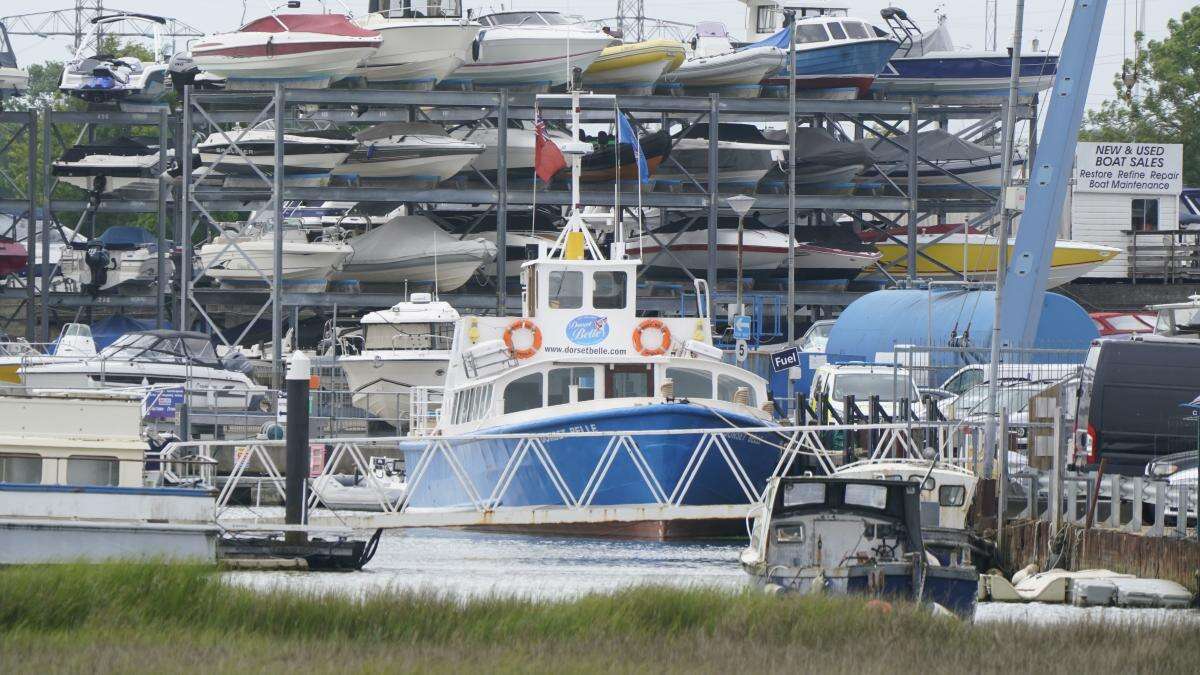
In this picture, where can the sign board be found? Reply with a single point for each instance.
(316, 459)
(742, 352)
(741, 327)
(1129, 168)
(785, 359)
(162, 404)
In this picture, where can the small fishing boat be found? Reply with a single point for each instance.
(14, 80)
(853, 536)
(410, 152)
(423, 42)
(764, 253)
(633, 68)
(927, 68)
(121, 257)
(103, 78)
(415, 250)
(529, 51)
(714, 65)
(299, 50)
(310, 149)
(744, 157)
(125, 166)
(836, 58)
(307, 265)
(960, 167)
(977, 252)
(403, 347)
(148, 359)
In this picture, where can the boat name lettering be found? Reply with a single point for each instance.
(588, 329)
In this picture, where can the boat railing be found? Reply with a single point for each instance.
(541, 456)
(424, 409)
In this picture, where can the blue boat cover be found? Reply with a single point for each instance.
(779, 40)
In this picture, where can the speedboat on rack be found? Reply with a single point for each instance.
(311, 150)
(14, 80)
(411, 152)
(125, 166)
(521, 144)
(744, 157)
(633, 68)
(121, 257)
(959, 167)
(824, 164)
(530, 51)
(98, 77)
(714, 65)
(927, 68)
(423, 42)
(299, 50)
(245, 257)
(415, 250)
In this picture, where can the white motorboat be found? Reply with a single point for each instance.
(529, 50)
(310, 149)
(14, 80)
(405, 346)
(421, 47)
(382, 484)
(101, 78)
(714, 65)
(764, 253)
(246, 257)
(300, 50)
(824, 164)
(414, 250)
(143, 360)
(521, 144)
(74, 343)
(122, 256)
(409, 152)
(744, 157)
(125, 166)
(958, 165)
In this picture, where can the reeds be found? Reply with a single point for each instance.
(156, 617)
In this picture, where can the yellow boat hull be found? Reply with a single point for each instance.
(634, 67)
(977, 255)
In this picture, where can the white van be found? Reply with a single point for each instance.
(833, 382)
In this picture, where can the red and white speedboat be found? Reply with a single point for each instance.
(302, 50)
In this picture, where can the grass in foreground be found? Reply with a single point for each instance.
(157, 618)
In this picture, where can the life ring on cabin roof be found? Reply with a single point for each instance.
(651, 324)
(532, 328)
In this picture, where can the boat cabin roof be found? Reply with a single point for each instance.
(163, 345)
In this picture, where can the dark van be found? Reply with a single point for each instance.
(1129, 402)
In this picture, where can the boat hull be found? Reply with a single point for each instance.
(307, 265)
(955, 588)
(411, 166)
(252, 60)
(534, 62)
(735, 74)
(842, 71)
(633, 69)
(416, 54)
(382, 380)
(576, 459)
(962, 80)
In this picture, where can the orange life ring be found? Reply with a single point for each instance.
(637, 337)
(530, 350)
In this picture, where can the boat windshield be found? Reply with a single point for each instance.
(417, 9)
(162, 348)
(1013, 399)
(887, 386)
(525, 19)
(1178, 321)
(437, 335)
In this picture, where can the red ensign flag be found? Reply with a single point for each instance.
(547, 158)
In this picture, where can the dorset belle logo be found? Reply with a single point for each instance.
(588, 329)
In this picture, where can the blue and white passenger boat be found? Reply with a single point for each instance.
(928, 69)
(580, 359)
(837, 56)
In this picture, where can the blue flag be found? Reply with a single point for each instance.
(625, 135)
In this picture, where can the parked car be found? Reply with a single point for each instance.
(1013, 394)
(1130, 394)
(817, 336)
(833, 382)
(969, 377)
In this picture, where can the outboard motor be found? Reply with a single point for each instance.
(99, 261)
(237, 362)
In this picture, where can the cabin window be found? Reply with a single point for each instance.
(566, 290)
(855, 30)
(765, 21)
(792, 534)
(410, 336)
(810, 32)
(608, 290)
(691, 383)
(952, 495)
(871, 496)
(560, 381)
(727, 386)
(964, 381)
(92, 470)
(835, 29)
(629, 381)
(523, 393)
(472, 404)
(1145, 215)
(20, 469)
(800, 494)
